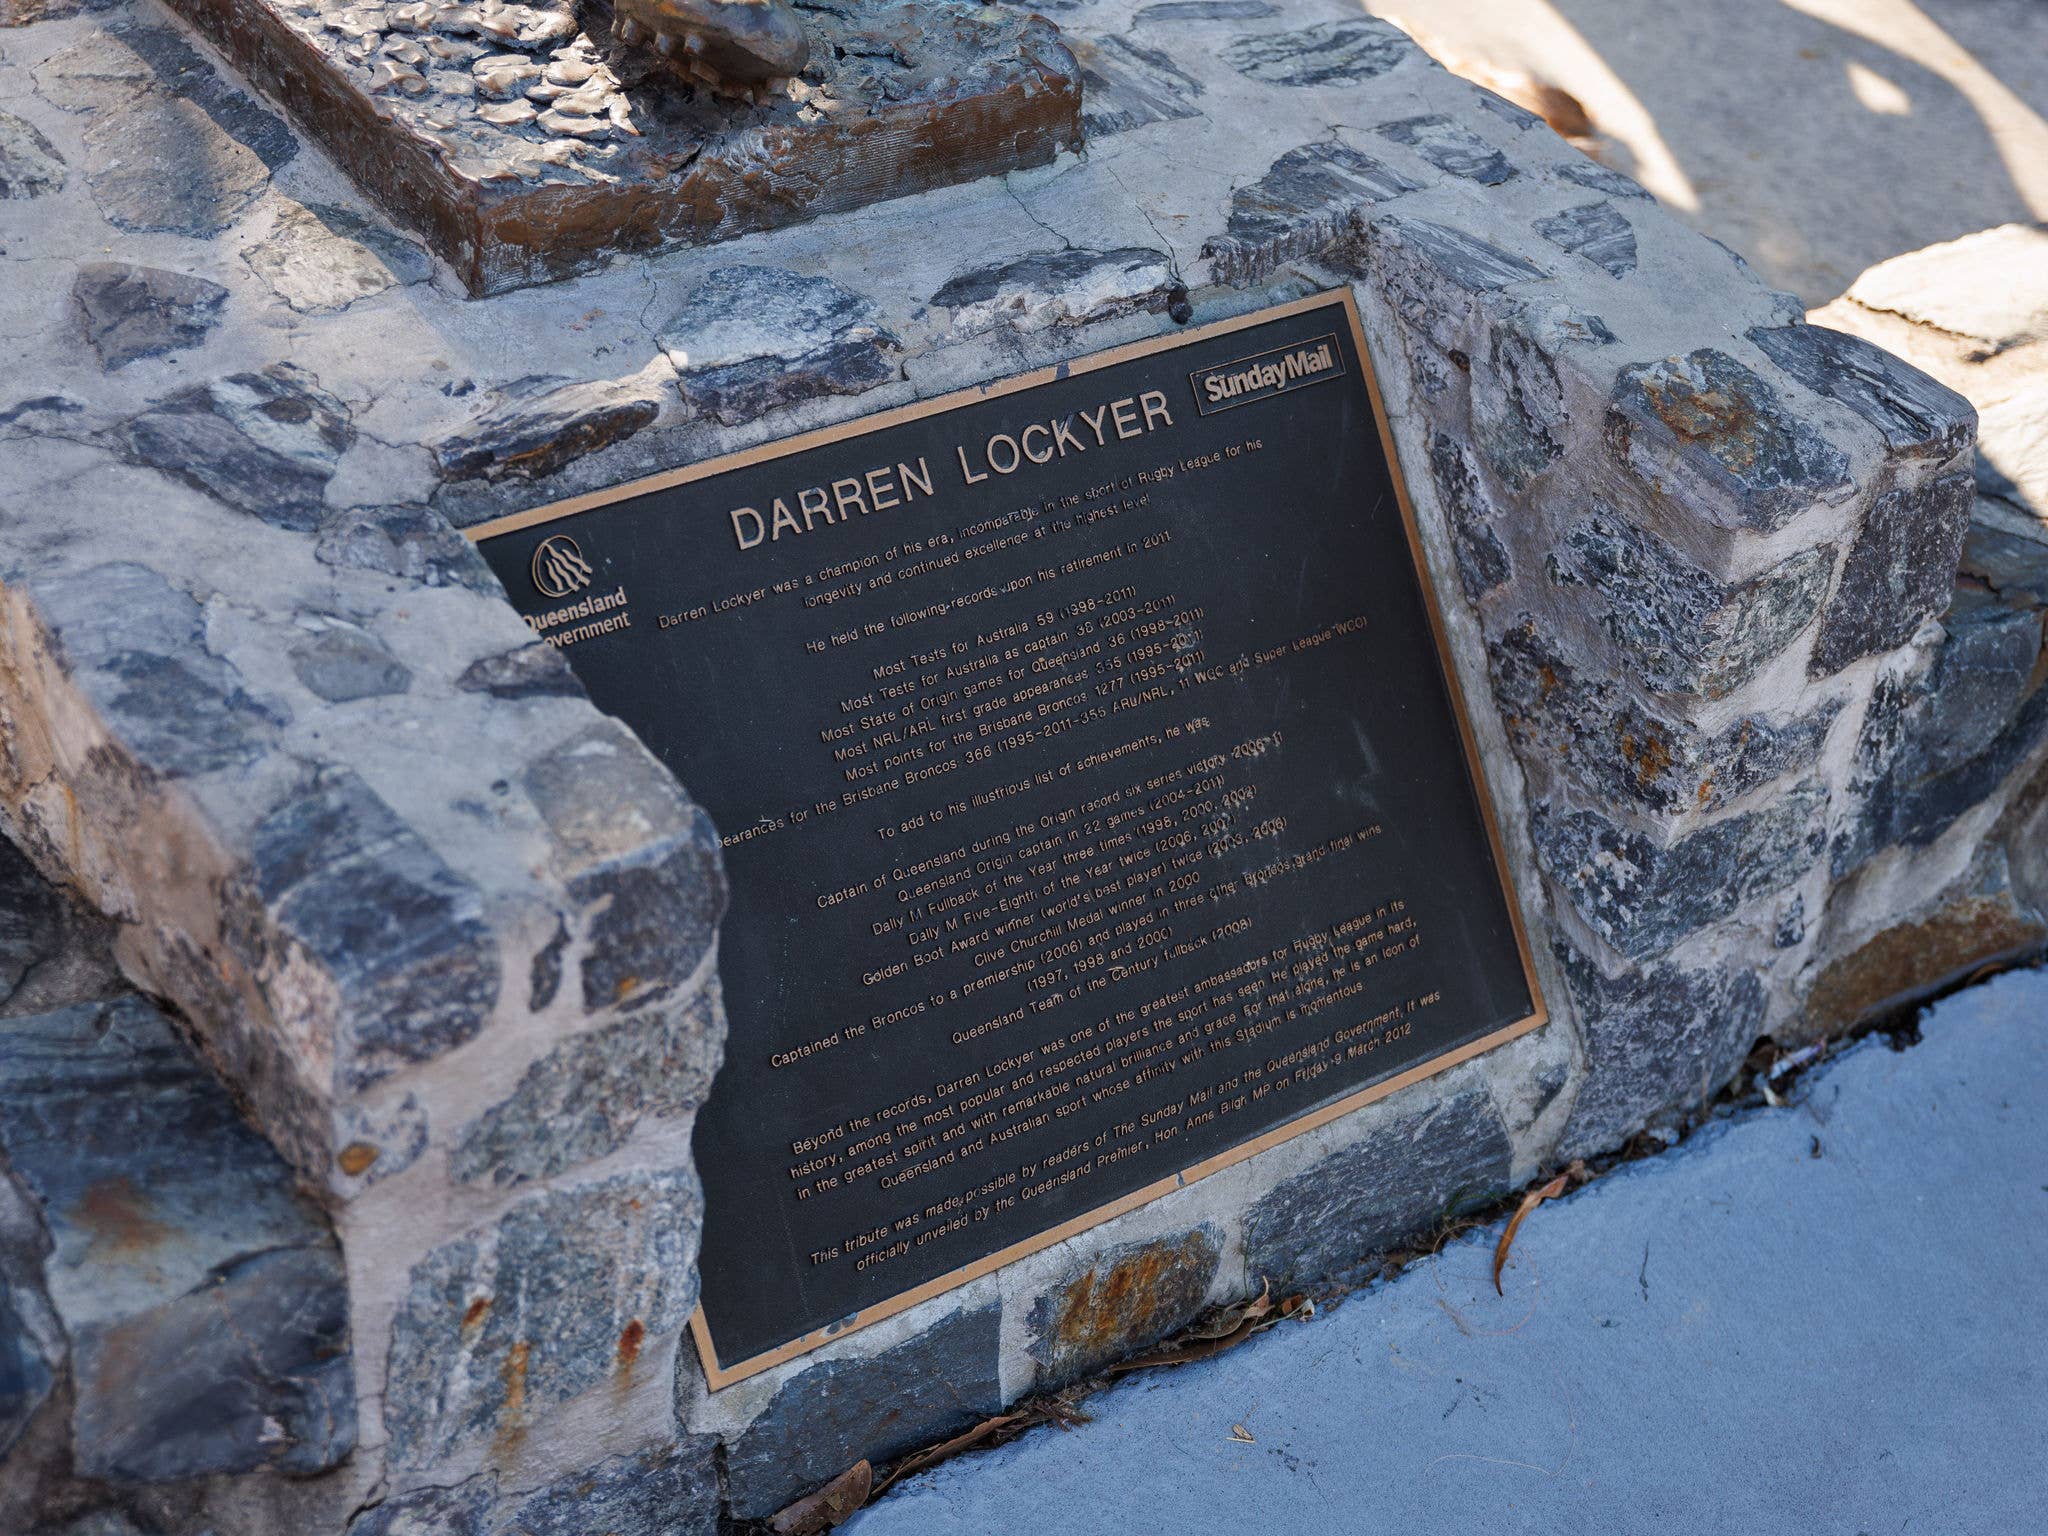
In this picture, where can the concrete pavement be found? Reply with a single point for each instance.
(1826, 1318)
(1817, 137)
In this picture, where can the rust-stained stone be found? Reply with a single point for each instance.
(1122, 1301)
(427, 106)
(1708, 423)
(1915, 960)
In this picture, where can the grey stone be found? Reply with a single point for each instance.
(1119, 1302)
(1310, 198)
(101, 1522)
(507, 1324)
(264, 443)
(53, 951)
(1919, 417)
(32, 1344)
(157, 162)
(132, 312)
(1915, 813)
(1629, 755)
(119, 1131)
(1597, 231)
(655, 915)
(40, 405)
(136, 644)
(20, 13)
(662, 1491)
(1563, 327)
(342, 661)
(405, 259)
(1500, 106)
(1681, 630)
(1125, 85)
(1938, 738)
(2013, 568)
(584, 1099)
(402, 935)
(1059, 288)
(1518, 415)
(1482, 560)
(536, 425)
(413, 543)
(880, 1406)
(1598, 178)
(545, 974)
(1897, 575)
(250, 1370)
(205, 1301)
(320, 259)
(97, 71)
(749, 340)
(108, 68)
(1706, 427)
(1900, 810)
(1983, 673)
(534, 671)
(1642, 896)
(1656, 1039)
(1791, 929)
(1204, 10)
(1395, 1182)
(29, 163)
(463, 1510)
(1329, 53)
(1467, 261)
(1451, 147)
(177, 66)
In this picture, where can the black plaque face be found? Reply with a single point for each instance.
(1096, 805)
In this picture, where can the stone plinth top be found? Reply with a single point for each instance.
(525, 142)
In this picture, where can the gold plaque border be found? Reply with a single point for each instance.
(719, 1376)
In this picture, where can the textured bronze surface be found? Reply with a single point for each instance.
(527, 143)
(746, 48)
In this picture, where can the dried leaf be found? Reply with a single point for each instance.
(1229, 1328)
(1227, 1320)
(1530, 1201)
(829, 1507)
(984, 1432)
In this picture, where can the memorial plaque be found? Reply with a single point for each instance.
(1097, 801)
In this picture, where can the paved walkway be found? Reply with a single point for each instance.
(1830, 1318)
(1817, 137)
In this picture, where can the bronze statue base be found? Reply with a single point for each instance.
(527, 144)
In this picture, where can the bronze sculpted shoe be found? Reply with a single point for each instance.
(732, 47)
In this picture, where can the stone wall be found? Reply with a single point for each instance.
(447, 935)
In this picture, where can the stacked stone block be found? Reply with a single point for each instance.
(446, 937)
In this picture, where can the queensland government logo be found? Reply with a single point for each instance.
(559, 567)
(1260, 377)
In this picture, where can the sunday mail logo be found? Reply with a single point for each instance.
(1225, 385)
